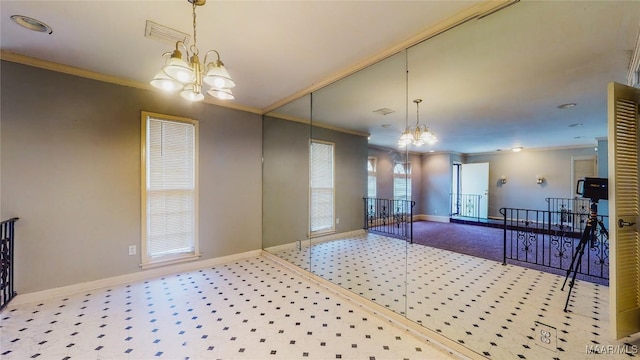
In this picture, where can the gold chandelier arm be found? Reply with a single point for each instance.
(207, 54)
(177, 53)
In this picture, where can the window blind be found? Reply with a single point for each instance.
(170, 187)
(322, 190)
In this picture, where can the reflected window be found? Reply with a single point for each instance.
(322, 189)
(402, 181)
(371, 179)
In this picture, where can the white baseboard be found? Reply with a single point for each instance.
(128, 278)
(343, 235)
(316, 240)
(435, 218)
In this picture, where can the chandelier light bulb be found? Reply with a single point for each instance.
(222, 94)
(190, 94)
(164, 82)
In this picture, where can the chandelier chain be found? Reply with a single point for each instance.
(194, 48)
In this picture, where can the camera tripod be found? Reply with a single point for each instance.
(589, 235)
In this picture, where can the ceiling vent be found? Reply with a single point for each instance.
(383, 111)
(160, 32)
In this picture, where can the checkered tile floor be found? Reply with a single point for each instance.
(499, 312)
(250, 309)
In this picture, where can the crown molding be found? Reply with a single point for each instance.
(71, 70)
(478, 11)
(315, 123)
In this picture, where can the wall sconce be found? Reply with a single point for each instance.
(503, 179)
(539, 179)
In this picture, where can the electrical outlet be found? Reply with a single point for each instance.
(546, 336)
(132, 249)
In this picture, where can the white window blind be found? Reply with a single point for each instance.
(402, 181)
(371, 179)
(170, 189)
(322, 190)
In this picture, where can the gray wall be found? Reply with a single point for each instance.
(285, 181)
(521, 169)
(385, 160)
(436, 184)
(70, 157)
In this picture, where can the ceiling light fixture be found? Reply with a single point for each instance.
(567, 106)
(417, 135)
(516, 149)
(188, 74)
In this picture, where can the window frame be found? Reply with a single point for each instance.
(146, 260)
(407, 177)
(372, 174)
(332, 228)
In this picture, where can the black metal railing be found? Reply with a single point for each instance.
(6, 261)
(542, 238)
(388, 216)
(466, 205)
(564, 210)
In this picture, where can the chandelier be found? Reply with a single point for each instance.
(187, 74)
(417, 135)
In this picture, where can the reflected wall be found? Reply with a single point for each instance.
(378, 272)
(285, 181)
(387, 270)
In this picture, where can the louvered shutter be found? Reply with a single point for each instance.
(623, 210)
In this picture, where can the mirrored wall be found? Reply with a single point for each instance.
(318, 177)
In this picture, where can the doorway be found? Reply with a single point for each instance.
(470, 185)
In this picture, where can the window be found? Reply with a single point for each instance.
(402, 181)
(322, 191)
(371, 179)
(169, 189)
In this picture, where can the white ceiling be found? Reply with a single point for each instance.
(488, 84)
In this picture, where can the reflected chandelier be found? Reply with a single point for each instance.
(188, 74)
(417, 135)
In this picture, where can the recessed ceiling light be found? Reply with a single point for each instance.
(575, 125)
(386, 126)
(31, 24)
(516, 149)
(566, 106)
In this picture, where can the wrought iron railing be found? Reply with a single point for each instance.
(388, 216)
(6, 262)
(535, 237)
(466, 205)
(564, 211)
